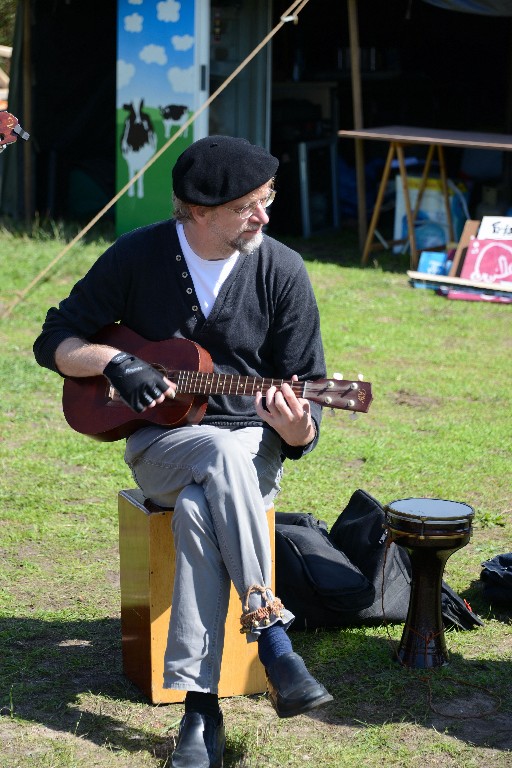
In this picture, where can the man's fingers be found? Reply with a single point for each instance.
(277, 402)
(295, 405)
(170, 393)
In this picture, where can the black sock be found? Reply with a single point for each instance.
(204, 703)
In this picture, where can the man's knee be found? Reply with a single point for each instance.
(191, 509)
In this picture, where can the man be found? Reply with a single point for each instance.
(212, 276)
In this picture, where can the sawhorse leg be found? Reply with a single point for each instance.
(411, 214)
(446, 197)
(378, 204)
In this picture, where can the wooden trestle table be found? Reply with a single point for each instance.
(399, 137)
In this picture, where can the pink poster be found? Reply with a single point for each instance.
(486, 261)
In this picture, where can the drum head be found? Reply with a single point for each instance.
(431, 509)
(429, 518)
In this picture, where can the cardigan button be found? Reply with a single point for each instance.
(189, 291)
(184, 274)
(178, 257)
(195, 308)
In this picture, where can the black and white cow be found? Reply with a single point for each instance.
(174, 114)
(138, 143)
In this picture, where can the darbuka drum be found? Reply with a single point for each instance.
(430, 530)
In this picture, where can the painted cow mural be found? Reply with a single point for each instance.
(174, 114)
(138, 143)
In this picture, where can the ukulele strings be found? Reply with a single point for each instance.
(199, 382)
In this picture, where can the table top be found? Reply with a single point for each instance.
(411, 135)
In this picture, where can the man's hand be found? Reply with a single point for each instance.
(139, 384)
(289, 415)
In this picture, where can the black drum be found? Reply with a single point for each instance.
(430, 530)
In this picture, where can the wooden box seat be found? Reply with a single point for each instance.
(147, 565)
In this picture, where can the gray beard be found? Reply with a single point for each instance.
(248, 246)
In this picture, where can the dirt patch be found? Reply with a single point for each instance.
(413, 400)
(466, 723)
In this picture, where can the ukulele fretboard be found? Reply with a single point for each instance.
(200, 383)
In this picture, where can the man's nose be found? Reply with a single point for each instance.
(260, 212)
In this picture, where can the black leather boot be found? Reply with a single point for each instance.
(201, 741)
(291, 688)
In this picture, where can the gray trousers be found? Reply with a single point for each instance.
(220, 482)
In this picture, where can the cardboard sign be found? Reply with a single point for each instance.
(495, 228)
(486, 261)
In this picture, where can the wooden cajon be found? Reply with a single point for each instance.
(147, 564)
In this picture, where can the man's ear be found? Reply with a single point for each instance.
(199, 213)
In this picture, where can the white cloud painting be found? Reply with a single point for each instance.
(156, 50)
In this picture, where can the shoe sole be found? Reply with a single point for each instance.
(307, 707)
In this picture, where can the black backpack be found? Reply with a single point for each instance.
(497, 577)
(351, 575)
(315, 580)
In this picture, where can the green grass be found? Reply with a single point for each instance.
(439, 426)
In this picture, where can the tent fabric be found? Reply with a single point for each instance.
(483, 7)
(72, 115)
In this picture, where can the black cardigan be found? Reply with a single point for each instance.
(264, 322)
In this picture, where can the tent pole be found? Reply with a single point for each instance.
(508, 113)
(27, 111)
(357, 110)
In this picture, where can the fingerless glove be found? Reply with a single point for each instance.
(137, 382)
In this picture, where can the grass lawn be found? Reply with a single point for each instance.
(439, 426)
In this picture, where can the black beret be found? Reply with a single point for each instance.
(217, 169)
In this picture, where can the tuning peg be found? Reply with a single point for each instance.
(21, 133)
(360, 377)
(338, 376)
(354, 415)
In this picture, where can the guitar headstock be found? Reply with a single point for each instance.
(353, 396)
(10, 129)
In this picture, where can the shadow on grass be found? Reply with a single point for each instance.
(342, 247)
(468, 698)
(43, 228)
(339, 246)
(476, 596)
(47, 666)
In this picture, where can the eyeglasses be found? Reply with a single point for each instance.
(248, 210)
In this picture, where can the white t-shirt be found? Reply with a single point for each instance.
(207, 276)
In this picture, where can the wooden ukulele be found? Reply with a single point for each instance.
(91, 406)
